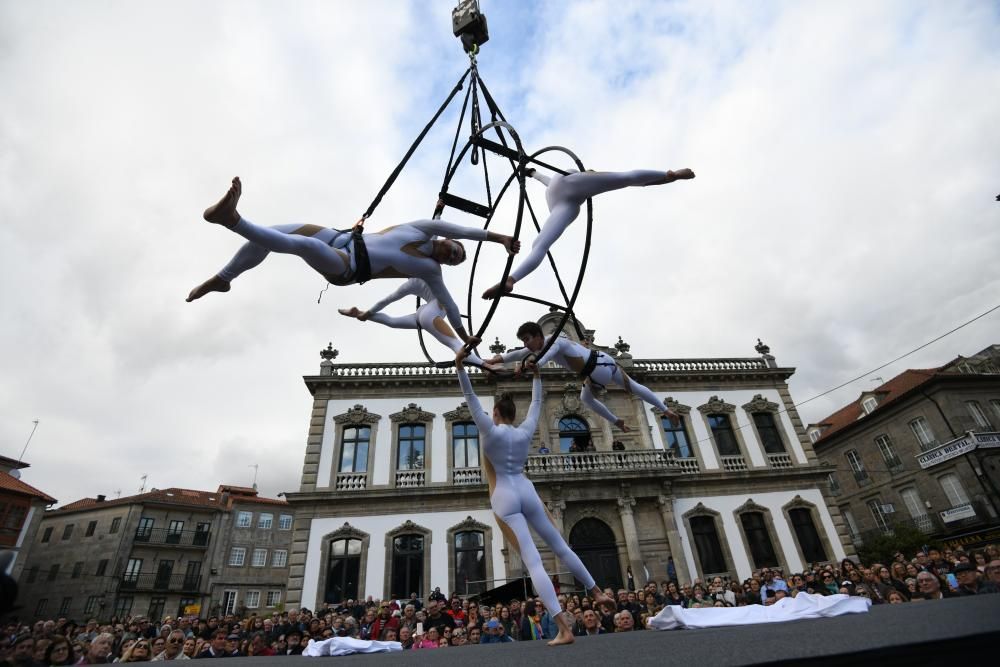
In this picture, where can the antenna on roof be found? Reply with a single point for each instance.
(255, 469)
(877, 378)
(15, 473)
(118, 493)
(142, 489)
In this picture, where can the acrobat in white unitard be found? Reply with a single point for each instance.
(593, 366)
(514, 500)
(564, 196)
(403, 251)
(430, 316)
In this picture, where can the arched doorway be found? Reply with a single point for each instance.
(594, 542)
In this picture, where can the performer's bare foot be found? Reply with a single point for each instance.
(213, 284)
(224, 212)
(621, 424)
(671, 176)
(353, 311)
(565, 635)
(507, 288)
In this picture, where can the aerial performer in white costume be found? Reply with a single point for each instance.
(516, 503)
(593, 367)
(343, 258)
(430, 316)
(565, 195)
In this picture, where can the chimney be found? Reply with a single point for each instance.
(101, 498)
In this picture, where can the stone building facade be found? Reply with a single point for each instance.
(393, 501)
(921, 449)
(160, 553)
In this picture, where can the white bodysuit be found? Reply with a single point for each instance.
(514, 499)
(429, 316)
(572, 356)
(403, 251)
(565, 195)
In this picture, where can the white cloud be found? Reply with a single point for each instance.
(846, 160)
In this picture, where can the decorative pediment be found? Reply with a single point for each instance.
(460, 414)
(408, 527)
(751, 506)
(797, 502)
(716, 405)
(346, 531)
(761, 404)
(467, 524)
(357, 415)
(700, 510)
(412, 413)
(673, 405)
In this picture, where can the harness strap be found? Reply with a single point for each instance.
(362, 269)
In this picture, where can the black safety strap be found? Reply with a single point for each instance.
(413, 147)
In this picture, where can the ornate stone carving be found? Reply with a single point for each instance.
(701, 510)
(408, 527)
(468, 523)
(347, 530)
(460, 414)
(751, 506)
(589, 512)
(357, 415)
(673, 405)
(571, 398)
(329, 354)
(716, 405)
(761, 404)
(625, 505)
(412, 413)
(556, 507)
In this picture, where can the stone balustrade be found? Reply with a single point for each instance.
(351, 481)
(733, 463)
(467, 476)
(410, 478)
(780, 460)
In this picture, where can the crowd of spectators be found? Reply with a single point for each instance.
(440, 622)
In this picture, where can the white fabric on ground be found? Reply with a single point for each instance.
(803, 605)
(347, 646)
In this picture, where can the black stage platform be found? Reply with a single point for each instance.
(962, 631)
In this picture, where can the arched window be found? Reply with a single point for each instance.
(805, 531)
(465, 444)
(767, 429)
(725, 439)
(574, 434)
(343, 570)
(407, 565)
(354, 451)
(676, 438)
(761, 550)
(411, 448)
(470, 562)
(706, 542)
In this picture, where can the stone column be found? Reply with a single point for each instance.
(625, 505)
(556, 508)
(666, 504)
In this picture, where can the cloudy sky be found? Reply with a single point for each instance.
(848, 155)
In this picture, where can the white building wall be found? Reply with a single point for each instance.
(774, 501)
(703, 438)
(380, 452)
(377, 527)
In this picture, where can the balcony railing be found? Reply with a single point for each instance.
(696, 365)
(180, 583)
(780, 460)
(351, 481)
(183, 538)
(733, 463)
(467, 476)
(405, 369)
(687, 465)
(410, 478)
(591, 462)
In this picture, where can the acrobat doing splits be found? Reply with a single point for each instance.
(514, 500)
(593, 366)
(564, 196)
(430, 316)
(343, 258)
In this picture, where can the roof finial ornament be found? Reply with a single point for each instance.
(497, 347)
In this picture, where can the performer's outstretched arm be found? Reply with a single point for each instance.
(483, 421)
(530, 422)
